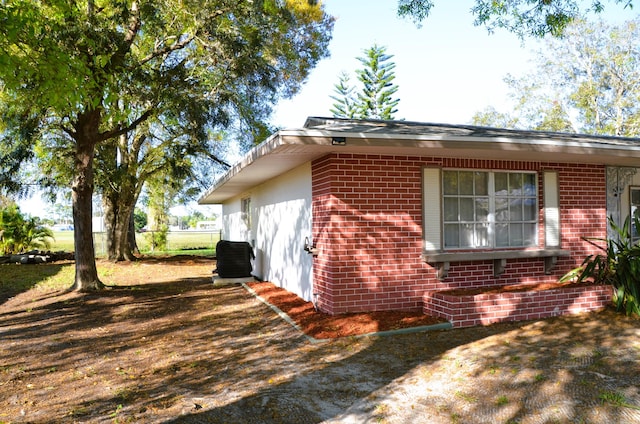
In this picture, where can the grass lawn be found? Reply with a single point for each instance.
(178, 242)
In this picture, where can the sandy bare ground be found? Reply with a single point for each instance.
(171, 348)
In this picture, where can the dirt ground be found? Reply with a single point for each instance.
(165, 346)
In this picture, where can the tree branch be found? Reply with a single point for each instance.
(123, 130)
(130, 35)
(218, 160)
(168, 49)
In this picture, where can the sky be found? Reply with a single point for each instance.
(446, 70)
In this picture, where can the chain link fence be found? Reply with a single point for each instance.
(176, 241)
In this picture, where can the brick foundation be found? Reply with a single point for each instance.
(488, 308)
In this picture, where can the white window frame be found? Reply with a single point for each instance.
(492, 222)
(433, 214)
(634, 208)
(245, 211)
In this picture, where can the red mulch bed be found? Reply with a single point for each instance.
(324, 326)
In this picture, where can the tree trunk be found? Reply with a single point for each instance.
(122, 233)
(120, 195)
(86, 278)
(118, 219)
(109, 227)
(131, 236)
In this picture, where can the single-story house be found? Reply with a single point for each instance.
(364, 215)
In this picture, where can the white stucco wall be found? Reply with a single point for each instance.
(280, 221)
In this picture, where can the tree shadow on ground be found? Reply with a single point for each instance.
(558, 370)
(18, 278)
(183, 351)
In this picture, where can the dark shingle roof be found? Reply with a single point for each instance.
(451, 131)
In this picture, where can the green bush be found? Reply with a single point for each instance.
(19, 234)
(618, 265)
(158, 238)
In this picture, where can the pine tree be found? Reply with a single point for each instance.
(345, 105)
(375, 99)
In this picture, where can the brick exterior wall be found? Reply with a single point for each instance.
(483, 309)
(367, 224)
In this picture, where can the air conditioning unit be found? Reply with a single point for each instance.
(234, 259)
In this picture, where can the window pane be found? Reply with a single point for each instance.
(501, 184)
(450, 208)
(451, 235)
(478, 216)
(529, 210)
(515, 233)
(465, 182)
(515, 184)
(529, 233)
(502, 209)
(482, 209)
(502, 235)
(482, 183)
(466, 209)
(466, 235)
(635, 197)
(516, 209)
(482, 235)
(245, 208)
(450, 182)
(529, 183)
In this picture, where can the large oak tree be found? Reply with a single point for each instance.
(78, 74)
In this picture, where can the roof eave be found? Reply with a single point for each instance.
(288, 149)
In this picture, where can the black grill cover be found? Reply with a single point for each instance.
(234, 259)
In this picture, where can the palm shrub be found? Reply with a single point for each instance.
(18, 234)
(618, 265)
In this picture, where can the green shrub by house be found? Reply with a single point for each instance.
(618, 265)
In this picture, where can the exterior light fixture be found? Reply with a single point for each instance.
(338, 141)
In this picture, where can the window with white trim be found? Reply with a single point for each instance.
(634, 204)
(245, 209)
(489, 209)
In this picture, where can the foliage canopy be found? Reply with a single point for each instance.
(587, 82)
(535, 18)
(75, 75)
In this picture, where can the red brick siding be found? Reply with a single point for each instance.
(483, 309)
(367, 219)
(323, 172)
